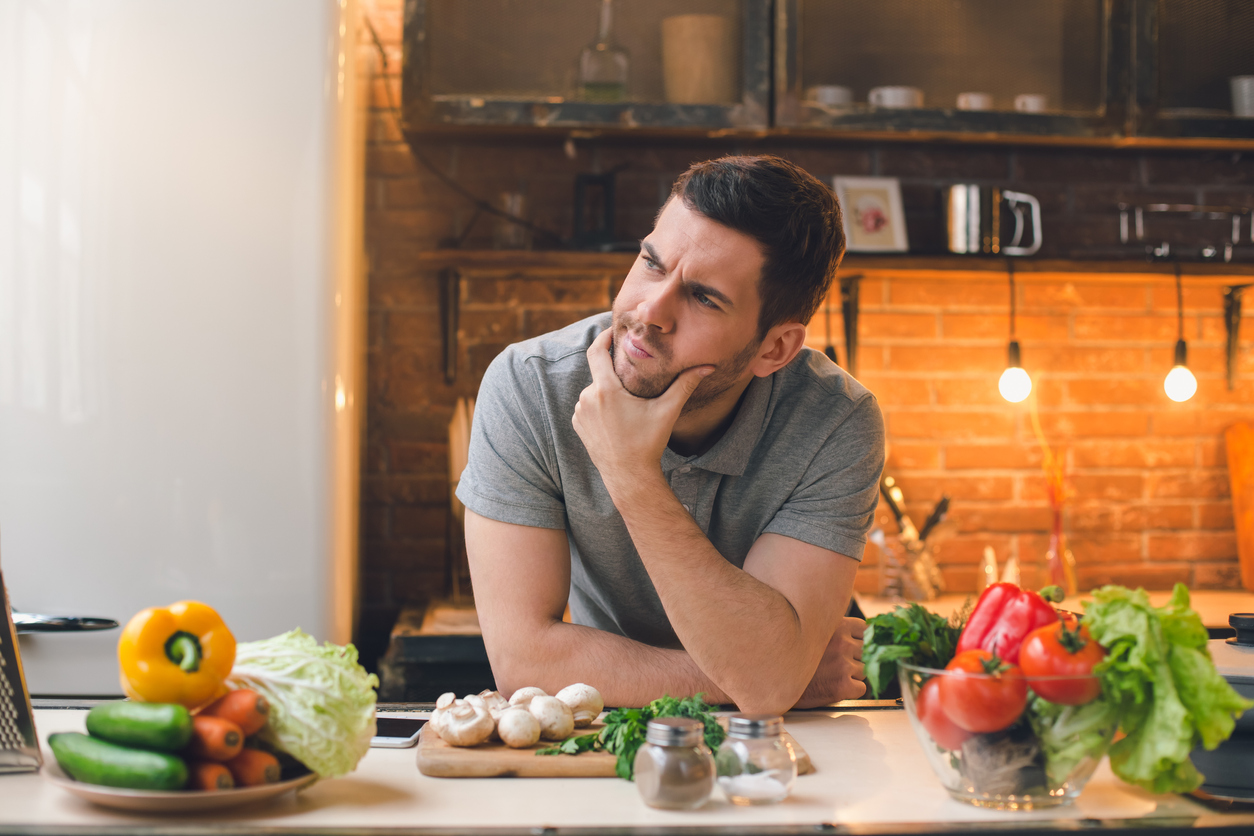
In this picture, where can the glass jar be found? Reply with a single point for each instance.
(755, 764)
(674, 768)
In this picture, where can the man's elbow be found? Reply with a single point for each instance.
(767, 698)
(521, 664)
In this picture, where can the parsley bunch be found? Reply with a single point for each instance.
(625, 729)
(909, 634)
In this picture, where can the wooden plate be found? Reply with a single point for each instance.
(171, 801)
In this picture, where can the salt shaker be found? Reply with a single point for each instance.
(674, 768)
(755, 764)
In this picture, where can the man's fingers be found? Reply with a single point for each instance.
(599, 360)
(683, 386)
(857, 627)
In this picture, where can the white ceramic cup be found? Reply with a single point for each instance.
(1242, 95)
(1031, 103)
(830, 95)
(975, 101)
(895, 97)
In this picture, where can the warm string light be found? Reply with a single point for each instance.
(1180, 384)
(1015, 384)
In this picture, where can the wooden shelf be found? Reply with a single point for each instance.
(427, 131)
(930, 268)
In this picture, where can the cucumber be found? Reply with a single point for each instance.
(165, 727)
(94, 761)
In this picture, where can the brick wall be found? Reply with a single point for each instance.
(1148, 478)
(1150, 489)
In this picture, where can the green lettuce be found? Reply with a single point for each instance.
(321, 700)
(1070, 733)
(1159, 675)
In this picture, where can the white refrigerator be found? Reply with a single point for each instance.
(182, 317)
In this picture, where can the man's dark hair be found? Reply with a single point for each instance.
(789, 212)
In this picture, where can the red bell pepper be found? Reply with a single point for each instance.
(1003, 617)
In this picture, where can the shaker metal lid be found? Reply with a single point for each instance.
(675, 731)
(755, 725)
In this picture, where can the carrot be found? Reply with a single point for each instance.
(208, 775)
(214, 739)
(244, 707)
(253, 766)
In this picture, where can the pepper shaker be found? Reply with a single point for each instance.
(674, 768)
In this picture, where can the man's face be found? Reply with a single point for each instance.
(690, 299)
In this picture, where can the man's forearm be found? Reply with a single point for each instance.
(741, 633)
(626, 672)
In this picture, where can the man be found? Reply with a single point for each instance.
(693, 479)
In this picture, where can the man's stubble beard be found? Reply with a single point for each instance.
(710, 389)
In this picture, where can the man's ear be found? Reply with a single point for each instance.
(781, 344)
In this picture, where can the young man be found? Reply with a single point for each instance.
(684, 471)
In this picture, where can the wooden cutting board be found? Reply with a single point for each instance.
(438, 759)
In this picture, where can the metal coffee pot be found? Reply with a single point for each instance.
(976, 220)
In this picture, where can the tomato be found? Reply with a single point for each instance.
(1056, 650)
(934, 719)
(983, 694)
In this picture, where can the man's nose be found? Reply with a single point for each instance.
(657, 309)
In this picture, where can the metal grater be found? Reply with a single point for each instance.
(19, 746)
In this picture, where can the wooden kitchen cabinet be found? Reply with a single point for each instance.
(504, 63)
(1111, 72)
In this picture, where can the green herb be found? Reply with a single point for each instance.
(1160, 676)
(625, 729)
(909, 634)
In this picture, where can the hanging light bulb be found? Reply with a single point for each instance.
(1014, 385)
(1180, 384)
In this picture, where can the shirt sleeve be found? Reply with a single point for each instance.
(833, 505)
(511, 473)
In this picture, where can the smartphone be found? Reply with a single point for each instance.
(396, 732)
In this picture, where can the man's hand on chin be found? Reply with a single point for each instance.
(625, 435)
(840, 675)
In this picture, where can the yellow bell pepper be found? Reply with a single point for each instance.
(176, 654)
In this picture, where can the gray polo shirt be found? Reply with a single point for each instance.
(802, 458)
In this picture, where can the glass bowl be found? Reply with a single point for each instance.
(1043, 759)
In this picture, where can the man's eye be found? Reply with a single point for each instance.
(704, 300)
(648, 262)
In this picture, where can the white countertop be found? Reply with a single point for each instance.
(870, 771)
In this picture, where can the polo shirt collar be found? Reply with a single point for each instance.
(730, 454)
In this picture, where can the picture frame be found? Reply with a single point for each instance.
(874, 219)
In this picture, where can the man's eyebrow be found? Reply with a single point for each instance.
(648, 248)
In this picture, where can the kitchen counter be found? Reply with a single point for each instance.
(871, 778)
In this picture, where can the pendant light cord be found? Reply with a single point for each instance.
(1179, 301)
(1010, 273)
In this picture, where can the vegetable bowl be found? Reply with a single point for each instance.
(1027, 752)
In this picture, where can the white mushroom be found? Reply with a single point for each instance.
(518, 728)
(585, 702)
(441, 711)
(523, 696)
(557, 721)
(466, 724)
(476, 700)
(495, 702)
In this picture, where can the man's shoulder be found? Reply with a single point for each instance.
(543, 368)
(560, 347)
(812, 377)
